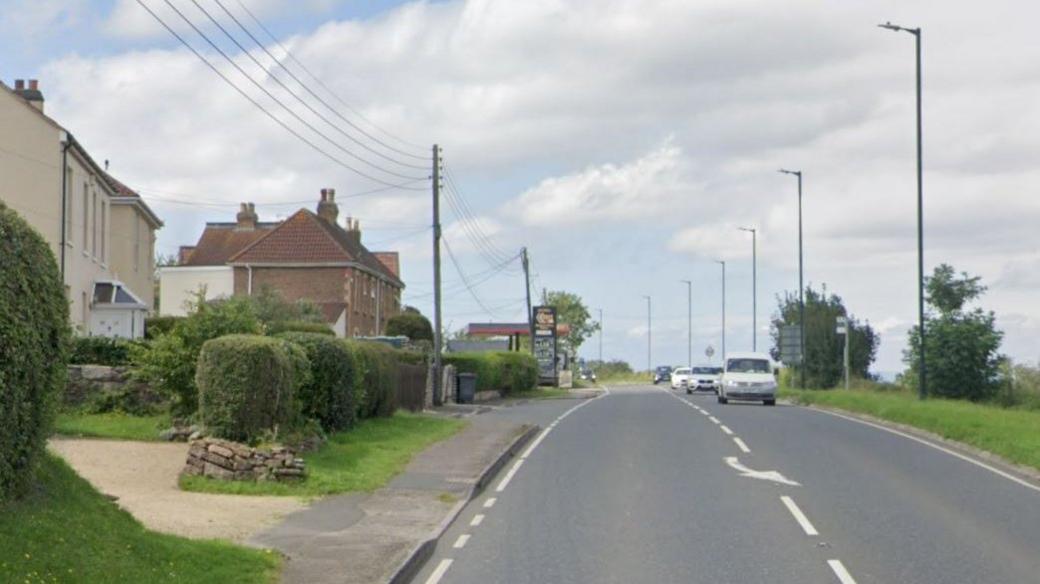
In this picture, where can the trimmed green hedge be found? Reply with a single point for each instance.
(410, 324)
(505, 371)
(156, 326)
(378, 363)
(34, 337)
(333, 395)
(299, 326)
(247, 383)
(100, 351)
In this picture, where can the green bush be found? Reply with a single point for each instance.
(157, 326)
(505, 371)
(169, 362)
(410, 324)
(298, 326)
(378, 364)
(246, 385)
(333, 395)
(100, 351)
(34, 337)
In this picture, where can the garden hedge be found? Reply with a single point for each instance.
(410, 324)
(333, 394)
(34, 336)
(246, 385)
(156, 326)
(378, 363)
(299, 326)
(505, 371)
(100, 351)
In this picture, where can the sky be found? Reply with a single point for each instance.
(623, 142)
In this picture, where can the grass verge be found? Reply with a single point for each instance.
(65, 531)
(627, 379)
(540, 393)
(362, 459)
(111, 425)
(1012, 434)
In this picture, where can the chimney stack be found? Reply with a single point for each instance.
(246, 218)
(354, 229)
(327, 208)
(31, 94)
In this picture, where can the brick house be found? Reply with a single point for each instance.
(308, 256)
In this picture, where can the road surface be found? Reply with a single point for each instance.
(650, 485)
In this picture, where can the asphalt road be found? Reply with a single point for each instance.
(649, 485)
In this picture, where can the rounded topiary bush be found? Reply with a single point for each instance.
(410, 324)
(34, 332)
(246, 385)
(333, 394)
(298, 326)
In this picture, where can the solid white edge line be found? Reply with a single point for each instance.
(477, 520)
(490, 503)
(741, 445)
(800, 517)
(954, 453)
(438, 572)
(537, 441)
(726, 430)
(839, 570)
(461, 541)
(509, 476)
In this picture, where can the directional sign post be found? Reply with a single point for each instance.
(791, 344)
(843, 329)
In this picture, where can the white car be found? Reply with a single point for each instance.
(748, 376)
(704, 377)
(680, 375)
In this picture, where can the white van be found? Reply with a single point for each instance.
(748, 376)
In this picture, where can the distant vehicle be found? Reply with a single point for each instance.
(704, 378)
(680, 377)
(587, 374)
(748, 376)
(662, 373)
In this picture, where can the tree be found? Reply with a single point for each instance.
(410, 324)
(824, 359)
(961, 347)
(571, 310)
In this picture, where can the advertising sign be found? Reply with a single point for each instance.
(544, 343)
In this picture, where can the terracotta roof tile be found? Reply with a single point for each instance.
(391, 260)
(220, 241)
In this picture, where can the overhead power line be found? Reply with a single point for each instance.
(465, 280)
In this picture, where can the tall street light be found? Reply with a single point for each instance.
(689, 322)
(801, 285)
(754, 285)
(601, 337)
(922, 390)
(723, 264)
(649, 339)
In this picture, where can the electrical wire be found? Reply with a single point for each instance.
(469, 287)
(467, 211)
(335, 96)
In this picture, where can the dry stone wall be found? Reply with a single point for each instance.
(231, 461)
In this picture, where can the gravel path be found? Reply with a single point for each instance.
(143, 475)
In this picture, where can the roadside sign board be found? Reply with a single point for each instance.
(544, 343)
(791, 344)
(842, 327)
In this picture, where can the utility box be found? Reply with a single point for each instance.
(466, 388)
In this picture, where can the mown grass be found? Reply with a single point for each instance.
(65, 531)
(635, 377)
(1011, 433)
(362, 459)
(111, 425)
(540, 393)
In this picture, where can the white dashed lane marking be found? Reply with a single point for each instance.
(477, 520)
(461, 541)
(438, 573)
(740, 444)
(800, 517)
(839, 570)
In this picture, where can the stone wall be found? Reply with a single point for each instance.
(231, 461)
(89, 383)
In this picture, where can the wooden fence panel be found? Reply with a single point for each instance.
(411, 387)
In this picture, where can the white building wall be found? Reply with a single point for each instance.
(179, 284)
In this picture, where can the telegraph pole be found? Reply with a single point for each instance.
(801, 285)
(754, 286)
(438, 398)
(527, 286)
(649, 338)
(689, 323)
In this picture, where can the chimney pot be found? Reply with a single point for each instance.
(246, 219)
(34, 85)
(332, 195)
(19, 84)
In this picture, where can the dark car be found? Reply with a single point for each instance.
(662, 373)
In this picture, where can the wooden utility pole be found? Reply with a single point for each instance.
(527, 287)
(438, 340)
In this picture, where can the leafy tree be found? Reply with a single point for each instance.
(410, 324)
(961, 346)
(272, 307)
(611, 368)
(824, 348)
(572, 311)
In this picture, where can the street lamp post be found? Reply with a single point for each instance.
(649, 338)
(754, 286)
(601, 337)
(922, 390)
(723, 264)
(689, 322)
(801, 285)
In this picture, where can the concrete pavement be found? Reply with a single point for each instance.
(647, 485)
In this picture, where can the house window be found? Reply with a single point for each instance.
(86, 216)
(104, 230)
(68, 207)
(93, 224)
(137, 243)
(83, 309)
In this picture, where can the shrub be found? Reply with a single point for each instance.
(299, 326)
(505, 371)
(378, 364)
(169, 362)
(100, 351)
(410, 324)
(34, 335)
(519, 371)
(333, 394)
(246, 385)
(157, 326)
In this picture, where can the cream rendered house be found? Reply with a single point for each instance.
(51, 181)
